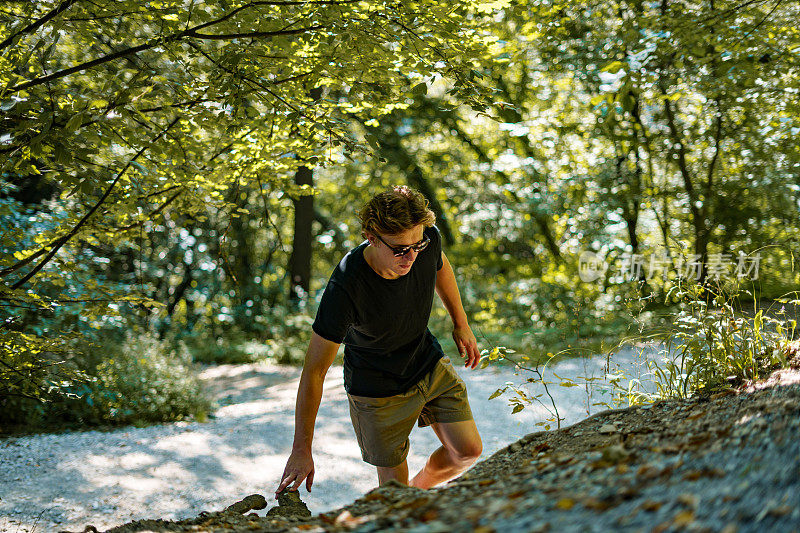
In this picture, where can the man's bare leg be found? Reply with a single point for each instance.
(399, 472)
(461, 446)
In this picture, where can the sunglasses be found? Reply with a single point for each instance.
(400, 251)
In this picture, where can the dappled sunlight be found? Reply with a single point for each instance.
(189, 444)
(126, 461)
(163, 469)
(140, 484)
(180, 182)
(248, 469)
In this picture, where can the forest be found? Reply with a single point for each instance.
(178, 178)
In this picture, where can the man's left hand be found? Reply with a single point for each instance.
(467, 345)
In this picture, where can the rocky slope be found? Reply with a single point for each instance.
(724, 462)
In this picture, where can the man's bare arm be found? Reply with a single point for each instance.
(462, 334)
(319, 356)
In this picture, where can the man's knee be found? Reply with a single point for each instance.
(467, 452)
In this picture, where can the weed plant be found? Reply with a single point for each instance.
(719, 337)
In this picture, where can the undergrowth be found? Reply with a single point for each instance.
(719, 338)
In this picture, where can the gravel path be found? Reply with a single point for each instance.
(174, 471)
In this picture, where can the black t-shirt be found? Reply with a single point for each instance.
(382, 322)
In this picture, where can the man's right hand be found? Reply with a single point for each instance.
(321, 353)
(300, 466)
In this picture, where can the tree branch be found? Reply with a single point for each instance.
(63, 240)
(192, 32)
(712, 165)
(682, 167)
(153, 213)
(252, 34)
(30, 28)
(19, 264)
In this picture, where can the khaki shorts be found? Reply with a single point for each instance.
(382, 425)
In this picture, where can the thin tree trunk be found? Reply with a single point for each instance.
(300, 259)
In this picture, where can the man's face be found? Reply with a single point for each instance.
(399, 265)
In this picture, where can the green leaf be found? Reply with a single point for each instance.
(496, 393)
(420, 89)
(613, 67)
(74, 123)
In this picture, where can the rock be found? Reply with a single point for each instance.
(607, 428)
(615, 454)
(289, 505)
(254, 501)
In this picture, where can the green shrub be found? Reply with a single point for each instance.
(134, 379)
(142, 380)
(232, 349)
(715, 342)
(283, 338)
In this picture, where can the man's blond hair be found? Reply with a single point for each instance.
(396, 210)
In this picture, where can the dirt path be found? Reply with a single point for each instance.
(173, 471)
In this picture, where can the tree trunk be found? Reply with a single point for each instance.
(300, 260)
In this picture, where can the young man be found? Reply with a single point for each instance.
(378, 302)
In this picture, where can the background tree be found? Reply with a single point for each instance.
(131, 111)
(150, 153)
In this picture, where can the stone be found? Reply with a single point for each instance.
(289, 505)
(249, 503)
(615, 454)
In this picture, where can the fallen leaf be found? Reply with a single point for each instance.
(683, 519)
(689, 500)
(647, 472)
(430, 514)
(669, 448)
(702, 438)
(781, 510)
(722, 394)
(662, 527)
(565, 504)
(327, 518)
(651, 506)
(694, 475)
(541, 447)
(597, 504)
(346, 518)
